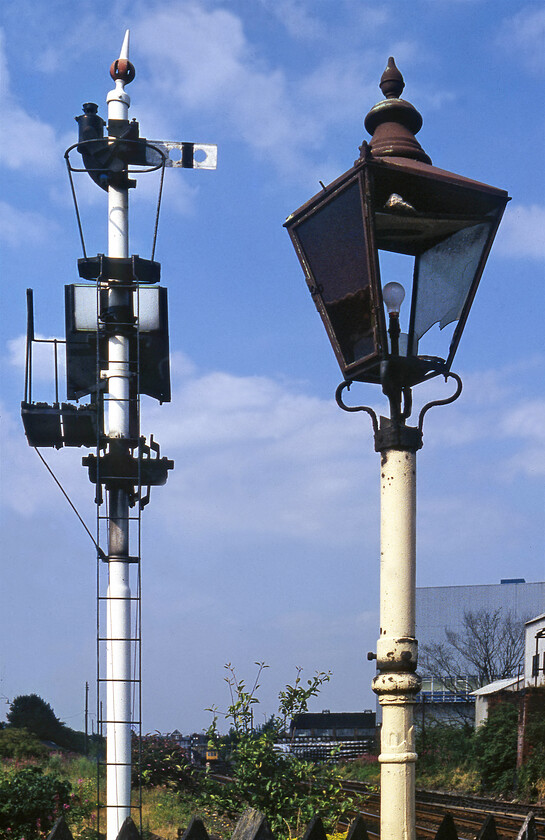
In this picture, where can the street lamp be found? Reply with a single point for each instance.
(429, 233)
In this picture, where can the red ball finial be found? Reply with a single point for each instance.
(123, 70)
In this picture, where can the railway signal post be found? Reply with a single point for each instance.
(116, 350)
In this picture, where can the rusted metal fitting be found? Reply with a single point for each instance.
(123, 70)
(396, 687)
(397, 654)
(392, 435)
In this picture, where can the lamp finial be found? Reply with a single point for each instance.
(391, 81)
(394, 122)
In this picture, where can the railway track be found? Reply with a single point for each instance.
(469, 813)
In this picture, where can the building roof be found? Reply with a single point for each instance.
(497, 685)
(334, 720)
(537, 618)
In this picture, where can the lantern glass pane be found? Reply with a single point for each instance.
(85, 308)
(146, 308)
(444, 275)
(333, 240)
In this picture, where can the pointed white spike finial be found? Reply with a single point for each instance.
(125, 47)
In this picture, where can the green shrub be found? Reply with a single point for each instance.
(531, 779)
(30, 803)
(20, 743)
(495, 748)
(163, 763)
(444, 744)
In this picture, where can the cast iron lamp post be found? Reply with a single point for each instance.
(440, 227)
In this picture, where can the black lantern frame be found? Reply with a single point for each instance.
(445, 221)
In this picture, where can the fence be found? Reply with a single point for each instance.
(253, 826)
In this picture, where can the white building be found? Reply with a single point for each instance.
(442, 608)
(532, 676)
(439, 608)
(534, 651)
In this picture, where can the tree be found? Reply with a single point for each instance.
(32, 713)
(28, 711)
(489, 647)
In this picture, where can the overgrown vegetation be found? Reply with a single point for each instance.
(162, 763)
(32, 799)
(31, 713)
(37, 784)
(532, 773)
(288, 790)
(484, 761)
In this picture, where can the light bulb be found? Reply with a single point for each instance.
(393, 295)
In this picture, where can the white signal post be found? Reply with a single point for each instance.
(108, 346)
(118, 603)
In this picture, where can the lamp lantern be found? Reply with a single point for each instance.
(393, 201)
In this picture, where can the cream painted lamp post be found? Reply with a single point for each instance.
(393, 251)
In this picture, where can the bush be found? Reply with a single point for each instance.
(30, 803)
(20, 743)
(163, 763)
(532, 774)
(495, 748)
(444, 744)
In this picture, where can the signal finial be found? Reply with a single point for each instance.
(122, 69)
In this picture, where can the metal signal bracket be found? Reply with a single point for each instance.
(184, 155)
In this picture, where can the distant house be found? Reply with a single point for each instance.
(327, 736)
(532, 676)
(334, 725)
(534, 652)
(492, 694)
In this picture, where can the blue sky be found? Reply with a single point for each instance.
(264, 543)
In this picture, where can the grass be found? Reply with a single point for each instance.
(165, 811)
(366, 769)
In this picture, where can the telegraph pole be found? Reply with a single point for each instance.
(86, 718)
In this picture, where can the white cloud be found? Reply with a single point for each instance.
(257, 457)
(213, 67)
(523, 36)
(25, 227)
(26, 142)
(296, 19)
(526, 420)
(521, 232)
(282, 116)
(43, 359)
